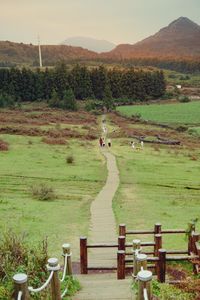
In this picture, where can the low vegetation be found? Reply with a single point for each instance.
(28, 259)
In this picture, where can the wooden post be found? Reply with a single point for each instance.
(121, 243)
(158, 243)
(83, 255)
(122, 230)
(195, 238)
(141, 262)
(120, 264)
(21, 285)
(157, 228)
(191, 229)
(144, 285)
(161, 265)
(67, 251)
(136, 250)
(53, 265)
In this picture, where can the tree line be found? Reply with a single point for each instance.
(61, 84)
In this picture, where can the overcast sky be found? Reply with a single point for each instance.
(119, 21)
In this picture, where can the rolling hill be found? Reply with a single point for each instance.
(90, 44)
(181, 38)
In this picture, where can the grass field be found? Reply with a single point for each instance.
(159, 183)
(178, 113)
(30, 163)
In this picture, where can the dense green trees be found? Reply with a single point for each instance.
(61, 86)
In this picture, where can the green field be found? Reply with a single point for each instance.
(159, 185)
(178, 113)
(28, 163)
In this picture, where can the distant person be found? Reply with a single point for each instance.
(133, 145)
(100, 141)
(103, 142)
(142, 144)
(109, 142)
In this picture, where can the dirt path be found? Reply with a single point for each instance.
(103, 230)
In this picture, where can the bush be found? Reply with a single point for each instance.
(70, 159)
(16, 257)
(183, 99)
(3, 146)
(43, 192)
(6, 100)
(54, 141)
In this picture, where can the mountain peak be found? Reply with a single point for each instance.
(183, 23)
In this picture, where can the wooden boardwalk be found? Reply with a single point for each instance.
(104, 287)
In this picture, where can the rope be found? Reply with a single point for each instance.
(32, 290)
(65, 292)
(145, 294)
(65, 268)
(19, 297)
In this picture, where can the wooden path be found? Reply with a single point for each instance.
(104, 286)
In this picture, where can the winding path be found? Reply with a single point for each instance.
(103, 230)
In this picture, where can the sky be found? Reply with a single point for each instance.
(118, 21)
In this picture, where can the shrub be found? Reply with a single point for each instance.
(70, 159)
(16, 256)
(3, 146)
(43, 192)
(183, 99)
(6, 100)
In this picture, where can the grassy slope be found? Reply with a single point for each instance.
(187, 113)
(26, 165)
(153, 187)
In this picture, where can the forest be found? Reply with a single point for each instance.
(60, 83)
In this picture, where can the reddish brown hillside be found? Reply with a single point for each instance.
(181, 38)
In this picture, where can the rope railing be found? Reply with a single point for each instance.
(40, 289)
(22, 291)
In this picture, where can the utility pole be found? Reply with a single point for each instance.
(40, 54)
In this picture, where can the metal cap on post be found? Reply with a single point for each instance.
(67, 251)
(141, 262)
(21, 285)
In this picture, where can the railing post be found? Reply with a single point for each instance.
(157, 228)
(122, 230)
(120, 264)
(144, 284)
(54, 266)
(121, 243)
(67, 251)
(83, 255)
(195, 250)
(191, 230)
(141, 262)
(21, 284)
(136, 249)
(158, 243)
(161, 266)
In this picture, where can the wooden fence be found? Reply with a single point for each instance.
(157, 256)
(23, 292)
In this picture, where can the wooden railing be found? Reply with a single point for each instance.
(157, 257)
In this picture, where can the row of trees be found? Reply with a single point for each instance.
(83, 83)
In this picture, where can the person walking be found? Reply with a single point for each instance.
(100, 142)
(109, 142)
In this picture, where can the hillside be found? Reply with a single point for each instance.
(19, 53)
(90, 44)
(181, 38)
